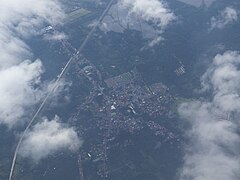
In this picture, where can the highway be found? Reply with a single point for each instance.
(80, 167)
(56, 85)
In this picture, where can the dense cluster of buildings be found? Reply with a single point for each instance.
(124, 103)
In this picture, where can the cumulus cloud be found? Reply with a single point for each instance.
(25, 18)
(213, 153)
(151, 17)
(47, 138)
(17, 89)
(150, 10)
(228, 16)
(20, 76)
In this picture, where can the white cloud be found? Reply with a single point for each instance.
(224, 78)
(47, 138)
(155, 41)
(150, 10)
(17, 90)
(213, 153)
(150, 17)
(228, 16)
(26, 17)
(20, 76)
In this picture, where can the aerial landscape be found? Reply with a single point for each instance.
(119, 90)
